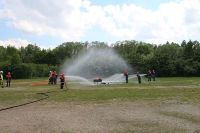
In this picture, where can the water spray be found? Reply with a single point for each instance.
(96, 63)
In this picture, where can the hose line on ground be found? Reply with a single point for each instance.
(46, 96)
(43, 98)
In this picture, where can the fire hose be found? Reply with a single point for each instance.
(23, 104)
(44, 94)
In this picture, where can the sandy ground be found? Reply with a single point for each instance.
(114, 117)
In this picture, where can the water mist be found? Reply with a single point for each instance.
(94, 63)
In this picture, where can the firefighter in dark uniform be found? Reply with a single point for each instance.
(126, 75)
(149, 75)
(139, 77)
(153, 75)
(62, 81)
(53, 75)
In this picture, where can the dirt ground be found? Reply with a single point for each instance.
(114, 117)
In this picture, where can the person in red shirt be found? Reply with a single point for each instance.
(62, 81)
(8, 79)
(126, 75)
(54, 77)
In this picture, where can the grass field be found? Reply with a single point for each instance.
(179, 89)
(150, 106)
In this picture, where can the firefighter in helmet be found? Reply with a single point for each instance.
(62, 80)
(8, 79)
(126, 75)
(139, 77)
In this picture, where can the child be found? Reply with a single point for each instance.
(8, 79)
(62, 81)
(126, 75)
(1, 79)
(50, 77)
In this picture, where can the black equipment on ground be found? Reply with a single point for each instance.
(98, 80)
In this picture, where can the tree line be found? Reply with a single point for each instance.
(169, 59)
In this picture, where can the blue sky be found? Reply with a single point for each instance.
(7, 32)
(148, 4)
(154, 21)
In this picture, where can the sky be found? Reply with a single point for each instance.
(49, 23)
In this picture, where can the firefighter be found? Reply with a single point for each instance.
(1, 79)
(50, 78)
(139, 77)
(149, 75)
(153, 75)
(56, 77)
(8, 79)
(126, 75)
(53, 74)
(62, 81)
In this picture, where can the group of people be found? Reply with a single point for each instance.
(151, 75)
(53, 78)
(8, 79)
(126, 76)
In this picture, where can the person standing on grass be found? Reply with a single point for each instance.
(139, 77)
(50, 77)
(149, 75)
(153, 75)
(1, 79)
(8, 79)
(54, 77)
(62, 81)
(126, 75)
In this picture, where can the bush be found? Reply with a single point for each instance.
(22, 71)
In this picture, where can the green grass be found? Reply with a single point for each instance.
(179, 89)
(128, 94)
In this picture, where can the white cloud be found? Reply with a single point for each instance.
(14, 42)
(168, 23)
(71, 19)
(48, 17)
